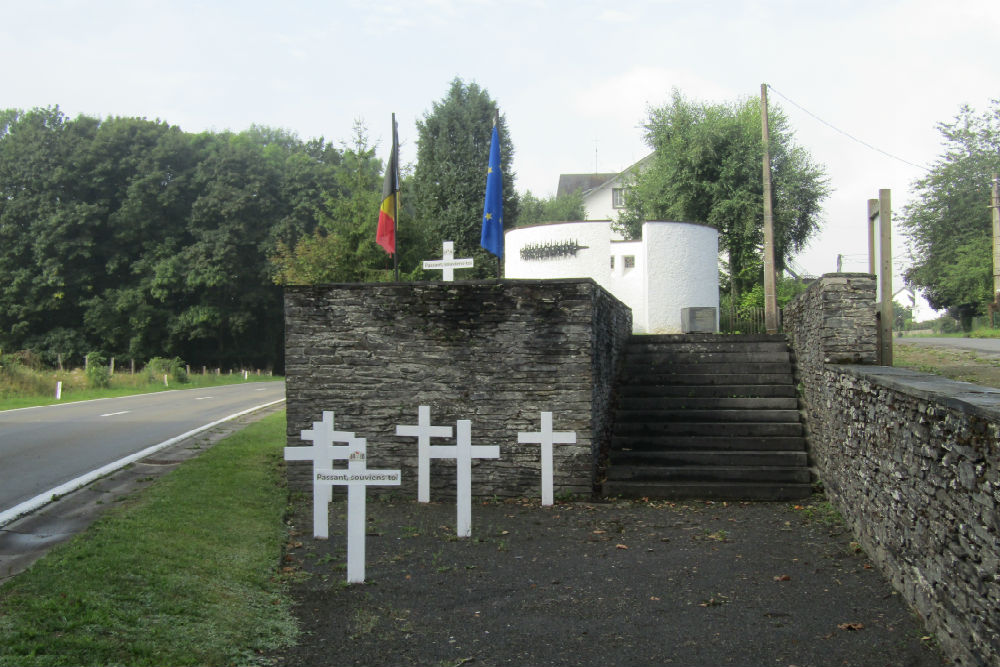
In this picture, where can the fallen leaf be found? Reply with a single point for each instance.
(620, 546)
(783, 577)
(851, 626)
(653, 597)
(598, 532)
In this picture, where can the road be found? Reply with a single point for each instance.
(987, 346)
(44, 447)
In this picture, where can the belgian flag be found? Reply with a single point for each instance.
(386, 234)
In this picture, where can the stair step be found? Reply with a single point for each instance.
(634, 370)
(711, 403)
(707, 391)
(651, 356)
(684, 473)
(745, 429)
(716, 443)
(706, 490)
(705, 379)
(625, 416)
(675, 457)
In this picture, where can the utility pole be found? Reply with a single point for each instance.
(995, 205)
(770, 292)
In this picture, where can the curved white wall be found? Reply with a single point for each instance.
(682, 270)
(675, 266)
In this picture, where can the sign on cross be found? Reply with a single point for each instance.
(546, 438)
(448, 263)
(423, 432)
(356, 478)
(322, 453)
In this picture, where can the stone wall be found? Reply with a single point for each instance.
(912, 461)
(496, 353)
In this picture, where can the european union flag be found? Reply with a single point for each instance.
(492, 236)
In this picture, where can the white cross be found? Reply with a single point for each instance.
(322, 453)
(448, 263)
(464, 453)
(546, 438)
(356, 478)
(423, 431)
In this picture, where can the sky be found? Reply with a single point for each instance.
(574, 80)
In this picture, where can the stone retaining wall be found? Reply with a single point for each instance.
(496, 353)
(912, 461)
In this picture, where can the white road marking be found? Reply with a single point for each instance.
(202, 398)
(115, 414)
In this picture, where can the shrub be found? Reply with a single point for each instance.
(98, 373)
(157, 367)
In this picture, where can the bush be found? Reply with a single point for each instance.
(157, 367)
(98, 373)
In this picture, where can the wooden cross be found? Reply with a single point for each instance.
(464, 453)
(448, 263)
(546, 438)
(356, 478)
(322, 453)
(423, 431)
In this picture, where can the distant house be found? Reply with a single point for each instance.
(673, 267)
(603, 194)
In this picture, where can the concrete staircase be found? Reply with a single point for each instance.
(707, 416)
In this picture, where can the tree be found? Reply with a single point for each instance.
(948, 225)
(533, 211)
(449, 182)
(706, 167)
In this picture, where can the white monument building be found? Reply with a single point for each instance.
(672, 268)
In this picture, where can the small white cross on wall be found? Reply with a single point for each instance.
(447, 264)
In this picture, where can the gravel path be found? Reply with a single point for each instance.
(595, 583)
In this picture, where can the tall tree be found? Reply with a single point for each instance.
(559, 208)
(948, 224)
(706, 167)
(449, 182)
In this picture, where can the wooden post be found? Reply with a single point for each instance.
(995, 205)
(770, 292)
(885, 275)
(872, 216)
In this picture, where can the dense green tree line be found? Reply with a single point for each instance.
(135, 239)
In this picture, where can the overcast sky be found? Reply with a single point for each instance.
(574, 79)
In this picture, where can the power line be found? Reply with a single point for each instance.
(846, 134)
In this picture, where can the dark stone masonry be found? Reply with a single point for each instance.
(496, 353)
(912, 461)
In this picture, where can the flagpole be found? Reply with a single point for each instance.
(395, 200)
(496, 124)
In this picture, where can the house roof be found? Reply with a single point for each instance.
(570, 183)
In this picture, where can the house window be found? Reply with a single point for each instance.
(629, 261)
(612, 261)
(618, 197)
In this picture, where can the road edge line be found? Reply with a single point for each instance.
(46, 497)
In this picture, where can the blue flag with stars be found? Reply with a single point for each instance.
(492, 236)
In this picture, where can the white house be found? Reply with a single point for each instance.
(603, 194)
(673, 267)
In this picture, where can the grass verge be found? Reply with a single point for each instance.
(186, 573)
(127, 385)
(956, 364)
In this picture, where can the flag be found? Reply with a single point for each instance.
(492, 235)
(386, 234)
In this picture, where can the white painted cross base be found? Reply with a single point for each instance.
(546, 438)
(322, 453)
(448, 263)
(423, 431)
(356, 478)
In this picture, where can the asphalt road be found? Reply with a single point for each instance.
(44, 447)
(988, 346)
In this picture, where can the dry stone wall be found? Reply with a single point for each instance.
(911, 460)
(496, 353)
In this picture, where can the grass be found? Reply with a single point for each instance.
(956, 364)
(74, 388)
(183, 574)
